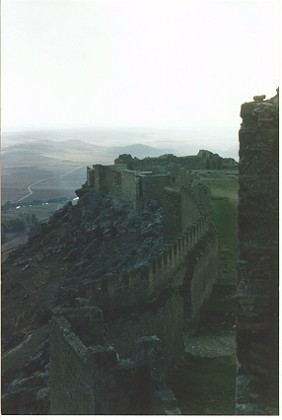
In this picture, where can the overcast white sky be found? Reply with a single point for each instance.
(79, 63)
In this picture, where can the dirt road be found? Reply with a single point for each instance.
(30, 192)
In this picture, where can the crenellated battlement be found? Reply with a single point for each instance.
(141, 281)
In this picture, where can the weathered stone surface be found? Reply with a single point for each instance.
(259, 98)
(28, 391)
(42, 399)
(100, 381)
(168, 402)
(13, 340)
(257, 317)
(37, 230)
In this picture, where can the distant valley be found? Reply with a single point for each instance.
(57, 168)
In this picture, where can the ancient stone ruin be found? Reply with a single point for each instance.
(257, 323)
(88, 376)
(152, 303)
(139, 253)
(106, 345)
(203, 160)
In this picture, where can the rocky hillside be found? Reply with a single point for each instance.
(78, 242)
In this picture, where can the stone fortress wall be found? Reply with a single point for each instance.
(159, 298)
(180, 211)
(168, 312)
(257, 320)
(144, 280)
(136, 187)
(166, 294)
(186, 224)
(203, 160)
(88, 376)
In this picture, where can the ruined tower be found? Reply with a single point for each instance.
(257, 317)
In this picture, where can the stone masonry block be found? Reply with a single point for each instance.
(102, 356)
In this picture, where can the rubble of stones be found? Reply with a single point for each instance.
(92, 233)
(27, 391)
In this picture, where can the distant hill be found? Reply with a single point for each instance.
(139, 150)
(72, 150)
(54, 147)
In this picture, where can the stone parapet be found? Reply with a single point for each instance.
(142, 281)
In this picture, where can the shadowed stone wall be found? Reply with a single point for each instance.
(203, 279)
(163, 317)
(87, 376)
(257, 320)
(138, 187)
(130, 188)
(152, 186)
(159, 297)
(180, 211)
(172, 216)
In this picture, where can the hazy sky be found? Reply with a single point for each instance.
(79, 63)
